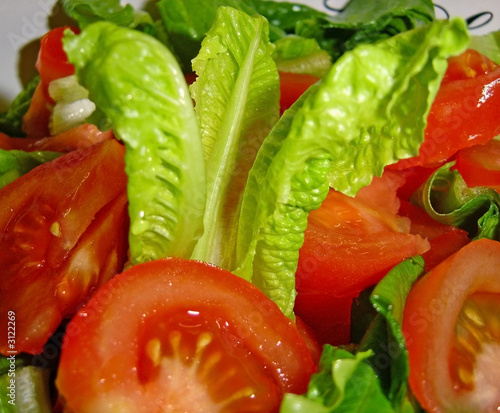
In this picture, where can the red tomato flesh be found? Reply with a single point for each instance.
(464, 113)
(180, 335)
(480, 165)
(450, 323)
(64, 227)
(350, 244)
(292, 86)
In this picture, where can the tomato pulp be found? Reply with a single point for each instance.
(451, 326)
(181, 335)
(64, 231)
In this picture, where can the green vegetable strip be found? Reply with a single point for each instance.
(237, 104)
(138, 87)
(369, 111)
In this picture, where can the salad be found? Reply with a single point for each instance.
(261, 207)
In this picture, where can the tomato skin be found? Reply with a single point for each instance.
(431, 313)
(292, 85)
(350, 244)
(444, 240)
(78, 137)
(52, 62)
(480, 165)
(248, 331)
(64, 227)
(464, 113)
(36, 119)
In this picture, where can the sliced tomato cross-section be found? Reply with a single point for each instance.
(64, 231)
(181, 335)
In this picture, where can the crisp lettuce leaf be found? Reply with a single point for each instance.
(487, 44)
(237, 104)
(11, 121)
(186, 27)
(86, 12)
(447, 199)
(14, 163)
(140, 91)
(358, 22)
(297, 54)
(344, 383)
(385, 337)
(367, 112)
(374, 377)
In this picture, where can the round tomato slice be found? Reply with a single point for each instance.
(451, 325)
(464, 113)
(64, 228)
(480, 165)
(350, 244)
(180, 335)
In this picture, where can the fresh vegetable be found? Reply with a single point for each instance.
(241, 174)
(464, 112)
(451, 331)
(480, 165)
(64, 231)
(350, 244)
(164, 158)
(197, 338)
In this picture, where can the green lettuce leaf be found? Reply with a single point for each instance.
(14, 163)
(447, 199)
(237, 104)
(487, 44)
(375, 99)
(374, 377)
(358, 22)
(297, 54)
(186, 27)
(11, 121)
(140, 91)
(86, 12)
(385, 337)
(344, 383)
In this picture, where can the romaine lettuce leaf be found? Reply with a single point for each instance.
(447, 199)
(487, 44)
(86, 12)
(367, 112)
(140, 91)
(374, 377)
(237, 104)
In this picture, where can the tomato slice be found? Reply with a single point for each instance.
(180, 335)
(36, 119)
(480, 165)
(75, 138)
(350, 244)
(292, 85)
(451, 324)
(444, 239)
(52, 62)
(464, 113)
(64, 228)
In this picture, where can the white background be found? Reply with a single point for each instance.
(22, 22)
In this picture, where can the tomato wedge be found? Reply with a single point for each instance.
(451, 325)
(350, 244)
(480, 165)
(64, 227)
(75, 138)
(180, 335)
(464, 113)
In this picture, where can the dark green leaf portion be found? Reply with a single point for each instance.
(447, 198)
(11, 121)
